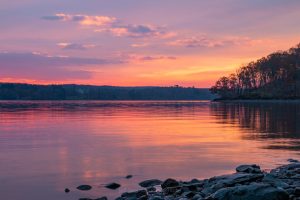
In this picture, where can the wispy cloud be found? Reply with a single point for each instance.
(114, 26)
(46, 67)
(198, 42)
(74, 46)
(85, 20)
(131, 58)
(139, 45)
(138, 31)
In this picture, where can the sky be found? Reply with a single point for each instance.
(140, 42)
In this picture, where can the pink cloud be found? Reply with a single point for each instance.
(114, 26)
(74, 46)
(85, 20)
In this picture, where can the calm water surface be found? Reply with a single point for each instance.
(48, 146)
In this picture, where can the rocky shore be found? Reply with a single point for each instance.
(248, 183)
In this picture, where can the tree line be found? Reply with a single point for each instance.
(15, 91)
(276, 76)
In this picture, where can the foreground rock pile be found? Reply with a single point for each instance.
(248, 183)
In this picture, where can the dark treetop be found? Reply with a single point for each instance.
(276, 76)
(15, 91)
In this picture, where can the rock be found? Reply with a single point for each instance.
(297, 192)
(156, 198)
(134, 195)
(84, 187)
(254, 191)
(197, 197)
(67, 190)
(195, 181)
(151, 189)
(150, 183)
(128, 176)
(170, 190)
(270, 179)
(293, 160)
(188, 195)
(101, 198)
(232, 179)
(248, 169)
(113, 186)
(145, 197)
(169, 183)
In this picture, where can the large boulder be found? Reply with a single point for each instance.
(254, 191)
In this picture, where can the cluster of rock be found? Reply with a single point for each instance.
(248, 183)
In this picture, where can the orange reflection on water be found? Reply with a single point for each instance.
(65, 144)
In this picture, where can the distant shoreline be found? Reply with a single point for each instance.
(257, 100)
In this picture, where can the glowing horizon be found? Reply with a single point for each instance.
(136, 43)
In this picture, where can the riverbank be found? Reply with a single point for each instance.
(249, 182)
(257, 100)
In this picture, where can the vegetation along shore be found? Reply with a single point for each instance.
(276, 76)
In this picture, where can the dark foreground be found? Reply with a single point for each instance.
(249, 182)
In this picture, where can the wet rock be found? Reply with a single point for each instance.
(170, 190)
(297, 192)
(67, 190)
(84, 187)
(128, 176)
(197, 197)
(145, 197)
(113, 186)
(150, 183)
(254, 191)
(169, 183)
(151, 189)
(134, 195)
(101, 198)
(233, 179)
(293, 160)
(156, 198)
(270, 179)
(248, 169)
(188, 194)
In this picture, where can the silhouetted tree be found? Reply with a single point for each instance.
(274, 76)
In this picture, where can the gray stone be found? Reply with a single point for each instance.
(293, 160)
(150, 183)
(169, 183)
(255, 191)
(156, 198)
(128, 176)
(113, 186)
(232, 179)
(248, 169)
(134, 195)
(297, 191)
(151, 189)
(270, 179)
(84, 187)
(101, 198)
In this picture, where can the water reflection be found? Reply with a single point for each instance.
(47, 146)
(277, 123)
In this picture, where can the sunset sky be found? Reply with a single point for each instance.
(140, 42)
